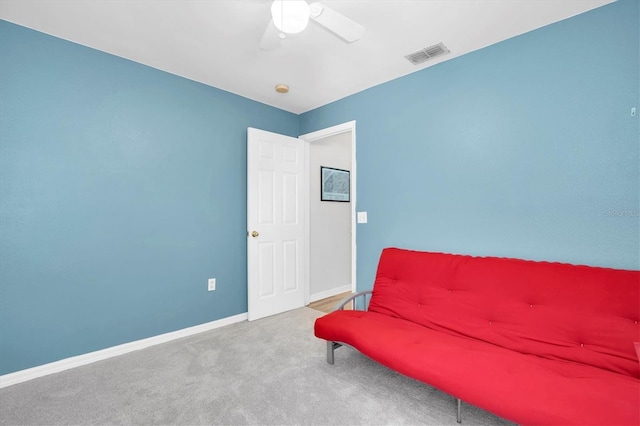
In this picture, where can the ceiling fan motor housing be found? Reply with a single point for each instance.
(290, 16)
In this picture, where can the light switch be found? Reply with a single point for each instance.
(362, 217)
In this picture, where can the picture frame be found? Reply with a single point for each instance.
(335, 184)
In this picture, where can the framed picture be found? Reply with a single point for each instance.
(335, 185)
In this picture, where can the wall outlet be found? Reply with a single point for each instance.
(211, 284)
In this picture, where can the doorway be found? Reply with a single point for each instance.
(331, 226)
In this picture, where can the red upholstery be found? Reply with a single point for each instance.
(533, 342)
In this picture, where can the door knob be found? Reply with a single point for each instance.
(254, 234)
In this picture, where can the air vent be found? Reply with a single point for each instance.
(427, 53)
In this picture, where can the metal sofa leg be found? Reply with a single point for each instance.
(331, 346)
(330, 349)
(458, 417)
(330, 358)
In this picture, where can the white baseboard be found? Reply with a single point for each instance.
(328, 293)
(88, 358)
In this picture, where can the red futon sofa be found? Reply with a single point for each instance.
(532, 342)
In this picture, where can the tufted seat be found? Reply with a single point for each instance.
(533, 342)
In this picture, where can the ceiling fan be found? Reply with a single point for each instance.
(292, 16)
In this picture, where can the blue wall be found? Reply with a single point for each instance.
(526, 149)
(122, 188)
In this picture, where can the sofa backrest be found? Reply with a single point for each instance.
(552, 310)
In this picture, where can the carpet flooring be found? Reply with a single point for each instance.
(266, 372)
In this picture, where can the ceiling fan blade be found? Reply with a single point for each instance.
(337, 23)
(271, 37)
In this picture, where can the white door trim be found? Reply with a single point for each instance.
(308, 138)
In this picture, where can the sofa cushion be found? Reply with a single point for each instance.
(551, 310)
(489, 376)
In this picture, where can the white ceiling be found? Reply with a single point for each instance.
(215, 42)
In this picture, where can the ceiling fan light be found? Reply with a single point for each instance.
(290, 16)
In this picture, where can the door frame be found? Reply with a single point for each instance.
(309, 138)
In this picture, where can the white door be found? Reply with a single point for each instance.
(275, 223)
